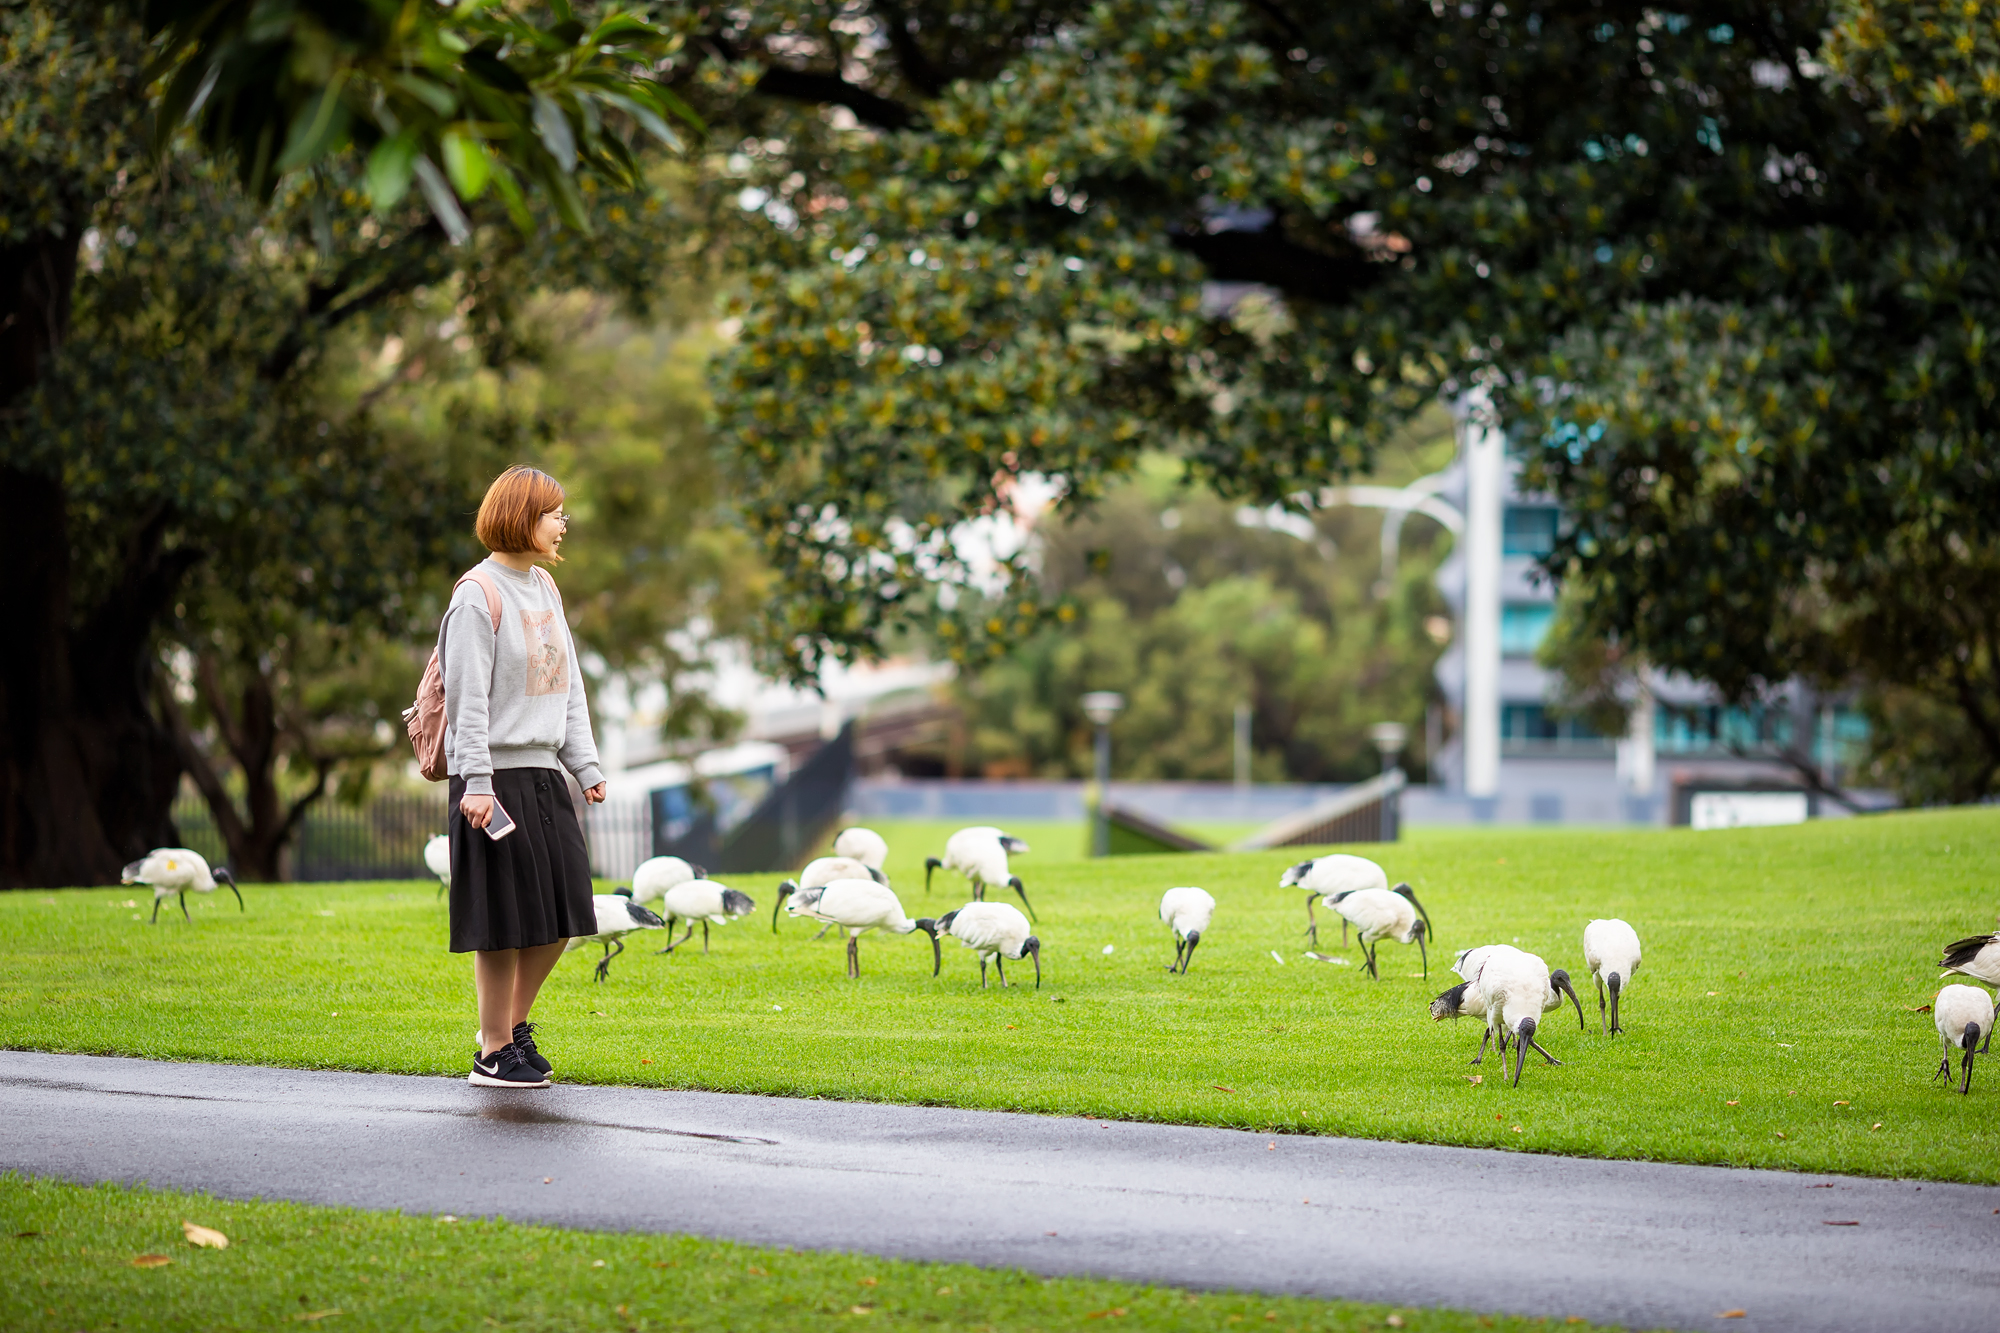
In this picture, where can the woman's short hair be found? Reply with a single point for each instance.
(514, 504)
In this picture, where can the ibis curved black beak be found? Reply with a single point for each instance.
(1614, 983)
(1033, 946)
(1971, 1041)
(1411, 894)
(1422, 930)
(1014, 883)
(1527, 1035)
(930, 863)
(785, 890)
(929, 927)
(1560, 980)
(700, 872)
(222, 875)
(1193, 938)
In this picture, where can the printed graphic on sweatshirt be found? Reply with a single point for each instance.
(548, 663)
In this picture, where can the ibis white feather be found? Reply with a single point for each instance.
(980, 854)
(652, 878)
(995, 932)
(1611, 952)
(1188, 911)
(437, 860)
(1964, 1016)
(1328, 877)
(864, 845)
(617, 917)
(1379, 914)
(1513, 989)
(858, 906)
(174, 872)
(705, 901)
(1976, 956)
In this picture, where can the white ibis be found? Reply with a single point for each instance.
(172, 871)
(864, 845)
(858, 906)
(617, 917)
(1328, 876)
(1963, 1014)
(1188, 911)
(652, 878)
(1975, 956)
(980, 854)
(705, 901)
(995, 931)
(822, 871)
(1611, 952)
(1378, 914)
(437, 860)
(1512, 988)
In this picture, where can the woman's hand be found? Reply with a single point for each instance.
(595, 795)
(477, 809)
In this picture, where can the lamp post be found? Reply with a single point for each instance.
(1389, 738)
(1100, 706)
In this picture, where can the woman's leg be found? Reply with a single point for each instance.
(529, 974)
(494, 974)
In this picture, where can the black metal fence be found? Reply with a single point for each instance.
(383, 839)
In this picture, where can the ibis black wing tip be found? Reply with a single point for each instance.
(1960, 952)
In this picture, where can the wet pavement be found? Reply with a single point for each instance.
(1637, 1243)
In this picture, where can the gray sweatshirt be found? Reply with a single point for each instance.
(513, 699)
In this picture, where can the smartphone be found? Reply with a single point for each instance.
(500, 824)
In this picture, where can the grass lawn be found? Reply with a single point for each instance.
(70, 1249)
(1775, 1023)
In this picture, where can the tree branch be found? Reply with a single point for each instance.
(1272, 258)
(796, 85)
(915, 66)
(206, 779)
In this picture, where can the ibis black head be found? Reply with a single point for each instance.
(785, 890)
(1410, 895)
(944, 922)
(1293, 874)
(1560, 980)
(1971, 1042)
(1193, 938)
(1526, 1032)
(1614, 983)
(222, 876)
(1450, 1003)
(623, 891)
(1033, 947)
(737, 903)
(931, 863)
(1014, 883)
(930, 928)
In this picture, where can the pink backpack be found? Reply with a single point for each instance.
(425, 719)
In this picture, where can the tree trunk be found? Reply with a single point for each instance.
(36, 276)
(88, 774)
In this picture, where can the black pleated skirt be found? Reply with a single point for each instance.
(533, 886)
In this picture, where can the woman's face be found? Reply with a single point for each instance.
(549, 530)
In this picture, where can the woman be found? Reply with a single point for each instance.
(514, 698)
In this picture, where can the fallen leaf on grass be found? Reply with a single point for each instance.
(1219, 1088)
(1475, 1079)
(312, 1316)
(755, 1271)
(1827, 1186)
(869, 1281)
(1733, 1314)
(1917, 1008)
(548, 1180)
(1517, 1129)
(151, 1261)
(1877, 1125)
(207, 1237)
(861, 1309)
(1115, 1312)
(944, 1291)
(26, 1235)
(1738, 1102)
(1779, 1132)
(1840, 1103)
(1393, 1321)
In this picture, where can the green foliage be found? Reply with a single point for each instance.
(1114, 1035)
(290, 1262)
(500, 95)
(1188, 613)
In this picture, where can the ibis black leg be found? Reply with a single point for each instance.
(854, 957)
(822, 933)
(1483, 1040)
(156, 912)
(1943, 1069)
(1000, 970)
(1602, 1027)
(1530, 1041)
(704, 935)
(982, 971)
(184, 908)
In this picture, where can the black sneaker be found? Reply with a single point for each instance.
(524, 1042)
(505, 1068)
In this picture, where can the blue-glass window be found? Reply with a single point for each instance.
(1523, 626)
(1531, 723)
(1529, 529)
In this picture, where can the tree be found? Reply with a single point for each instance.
(1718, 267)
(114, 492)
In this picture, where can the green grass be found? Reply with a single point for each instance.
(1775, 1022)
(69, 1250)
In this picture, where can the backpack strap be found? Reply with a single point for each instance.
(485, 586)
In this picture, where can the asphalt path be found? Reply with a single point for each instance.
(1643, 1244)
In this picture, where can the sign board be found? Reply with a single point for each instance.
(1747, 809)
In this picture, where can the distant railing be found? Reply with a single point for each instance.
(383, 839)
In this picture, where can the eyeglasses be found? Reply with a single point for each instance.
(559, 517)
